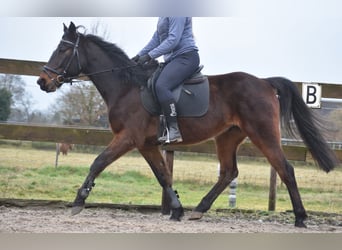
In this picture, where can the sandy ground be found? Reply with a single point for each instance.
(104, 220)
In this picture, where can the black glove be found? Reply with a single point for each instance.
(136, 58)
(144, 59)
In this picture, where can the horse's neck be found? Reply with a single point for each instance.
(108, 83)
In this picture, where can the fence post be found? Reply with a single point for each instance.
(165, 206)
(273, 190)
(57, 154)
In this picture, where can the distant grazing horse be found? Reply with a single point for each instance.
(65, 147)
(240, 105)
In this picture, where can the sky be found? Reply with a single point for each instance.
(300, 40)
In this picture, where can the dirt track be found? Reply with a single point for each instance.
(104, 220)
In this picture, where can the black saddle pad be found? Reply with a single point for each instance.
(192, 99)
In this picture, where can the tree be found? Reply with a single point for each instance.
(82, 104)
(21, 101)
(15, 85)
(5, 104)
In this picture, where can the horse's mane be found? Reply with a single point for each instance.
(111, 49)
(134, 73)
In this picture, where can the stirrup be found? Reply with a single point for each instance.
(165, 138)
(168, 140)
(178, 139)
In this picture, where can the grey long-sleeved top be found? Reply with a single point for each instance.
(173, 37)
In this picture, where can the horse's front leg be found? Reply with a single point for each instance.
(158, 165)
(118, 147)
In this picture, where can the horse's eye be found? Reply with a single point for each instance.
(62, 48)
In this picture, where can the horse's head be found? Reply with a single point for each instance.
(65, 63)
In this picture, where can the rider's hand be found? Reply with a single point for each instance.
(136, 58)
(144, 59)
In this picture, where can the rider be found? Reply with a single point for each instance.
(174, 40)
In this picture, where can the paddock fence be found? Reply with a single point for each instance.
(293, 149)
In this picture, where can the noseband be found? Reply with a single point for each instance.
(62, 76)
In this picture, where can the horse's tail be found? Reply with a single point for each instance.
(308, 125)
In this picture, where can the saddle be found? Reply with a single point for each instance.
(192, 96)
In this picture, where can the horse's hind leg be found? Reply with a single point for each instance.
(226, 146)
(286, 174)
(268, 141)
(157, 163)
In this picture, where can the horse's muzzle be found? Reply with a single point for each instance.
(47, 87)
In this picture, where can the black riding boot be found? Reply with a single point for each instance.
(173, 134)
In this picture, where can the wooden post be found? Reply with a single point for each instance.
(165, 206)
(273, 190)
(57, 154)
(273, 186)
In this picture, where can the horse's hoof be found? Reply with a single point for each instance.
(177, 214)
(300, 224)
(76, 210)
(195, 215)
(173, 218)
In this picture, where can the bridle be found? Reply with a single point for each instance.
(62, 76)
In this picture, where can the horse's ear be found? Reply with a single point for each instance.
(65, 28)
(72, 27)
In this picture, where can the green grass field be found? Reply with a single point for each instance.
(28, 173)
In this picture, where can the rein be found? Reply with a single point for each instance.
(63, 78)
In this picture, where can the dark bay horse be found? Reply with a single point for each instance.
(240, 105)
